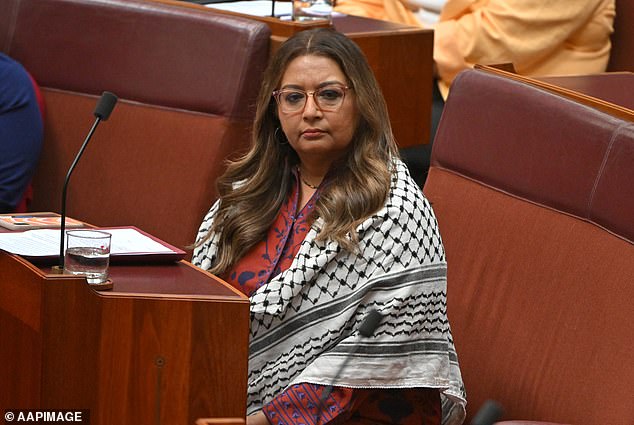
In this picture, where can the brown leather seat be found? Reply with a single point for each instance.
(534, 198)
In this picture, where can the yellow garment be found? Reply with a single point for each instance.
(539, 37)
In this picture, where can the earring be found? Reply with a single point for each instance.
(280, 136)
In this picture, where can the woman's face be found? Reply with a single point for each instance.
(323, 134)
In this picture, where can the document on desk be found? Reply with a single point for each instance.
(255, 7)
(126, 242)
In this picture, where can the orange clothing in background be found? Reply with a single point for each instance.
(539, 37)
(385, 10)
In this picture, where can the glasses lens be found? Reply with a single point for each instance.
(292, 100)
(329, 97)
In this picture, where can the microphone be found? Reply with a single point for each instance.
(104, 107)
(369, 324)
(371, 321)
(488, 414)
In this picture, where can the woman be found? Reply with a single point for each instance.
(320, 223)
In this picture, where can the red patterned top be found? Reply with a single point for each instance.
(299, 404)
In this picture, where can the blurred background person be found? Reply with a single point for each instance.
(21, 134)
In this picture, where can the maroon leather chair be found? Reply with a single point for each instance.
(534, 197)
(187, 81)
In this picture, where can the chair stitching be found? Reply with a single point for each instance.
(615, 134)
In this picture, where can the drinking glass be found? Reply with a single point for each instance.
(88, 254)
(312, 10)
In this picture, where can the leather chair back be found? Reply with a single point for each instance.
(187, 80)
(534, 198)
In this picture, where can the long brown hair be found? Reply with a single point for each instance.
(254, 187)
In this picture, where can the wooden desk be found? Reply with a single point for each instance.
(401, 57)
(402, 60)
(616, 88)
(168, 345)
(220, 421)
(611, 92)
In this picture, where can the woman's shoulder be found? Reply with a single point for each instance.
(403, 188)
(406, 223)
(405, 203)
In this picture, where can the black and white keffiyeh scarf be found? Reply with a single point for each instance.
(304, 322)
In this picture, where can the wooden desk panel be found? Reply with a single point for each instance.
(401, 57)
(403, 65)
(610, 92)
(614, 87)
(220, 421)
(137, 354)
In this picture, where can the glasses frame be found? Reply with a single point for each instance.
(277, 93)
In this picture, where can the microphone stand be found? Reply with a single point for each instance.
(488, 414)
(104, 107)
(370, 322)
(65, 188)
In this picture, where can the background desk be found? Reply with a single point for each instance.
(401, 57)
(610, 92)
(614, 88)
(402, 60)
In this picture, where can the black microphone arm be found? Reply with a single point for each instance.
(104, 107)
(370, 322)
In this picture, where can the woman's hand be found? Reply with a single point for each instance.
(257, 419)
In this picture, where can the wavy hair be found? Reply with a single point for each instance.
(254, 187)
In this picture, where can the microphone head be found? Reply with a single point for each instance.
(370, 323)
(105, 105)
(488, 414)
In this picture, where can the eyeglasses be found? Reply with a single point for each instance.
(328, 98)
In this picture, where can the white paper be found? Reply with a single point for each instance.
(45, 242)
(255, 7)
